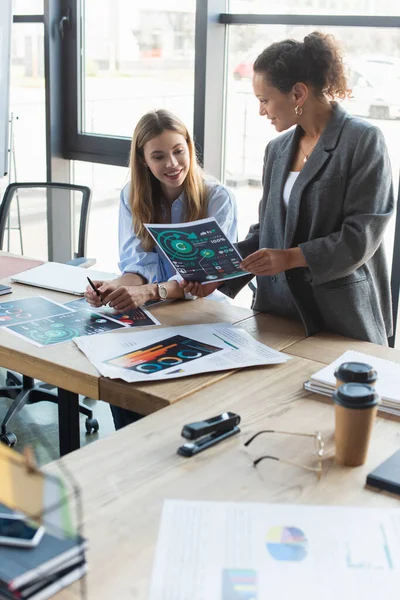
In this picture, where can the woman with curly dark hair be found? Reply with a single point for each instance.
(317, 250)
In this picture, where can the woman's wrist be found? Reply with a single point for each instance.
(294, 258)
(152, 291)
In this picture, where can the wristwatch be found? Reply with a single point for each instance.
(162, 291)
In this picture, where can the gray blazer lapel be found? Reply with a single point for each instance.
(318, 158)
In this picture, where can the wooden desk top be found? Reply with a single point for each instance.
(149, 397)
(61, 365)
(65, 366)
(327, 347)
(126, 477)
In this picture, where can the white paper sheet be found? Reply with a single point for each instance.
(387, 384)
(199, 250)
(254, 551)
(170, 352)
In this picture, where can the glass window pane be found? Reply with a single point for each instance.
(136, 56)
(27, 159)
(316, 7)
(106, 183)
(374, 77)
(27, 103)
(28, 7)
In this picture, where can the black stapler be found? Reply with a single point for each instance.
(203, 434)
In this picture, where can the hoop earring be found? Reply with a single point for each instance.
(298, 110)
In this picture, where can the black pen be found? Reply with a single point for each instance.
(94, 288)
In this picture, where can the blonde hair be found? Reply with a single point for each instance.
(145, 189)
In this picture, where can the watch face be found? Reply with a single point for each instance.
(162, 292)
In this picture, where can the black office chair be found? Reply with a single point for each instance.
(23, 389)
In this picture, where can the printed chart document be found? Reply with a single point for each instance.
(27, 309)
(254, 551)
(199, 251)
(387, 385)
(169, 352)
(136, 317)
(44, 322)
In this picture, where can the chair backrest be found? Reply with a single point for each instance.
(13, 188)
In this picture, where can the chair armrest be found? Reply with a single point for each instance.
(82, 262)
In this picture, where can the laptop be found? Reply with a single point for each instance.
(61, 278)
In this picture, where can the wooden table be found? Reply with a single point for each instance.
(147, 398)
(137, 467)
(65, 367)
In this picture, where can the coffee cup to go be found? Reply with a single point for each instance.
(356, 405)
(355, 372)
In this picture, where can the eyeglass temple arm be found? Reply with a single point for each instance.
(276, 431)
(288, 462)
(257, 434)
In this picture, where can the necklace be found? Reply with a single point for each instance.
(305, 159)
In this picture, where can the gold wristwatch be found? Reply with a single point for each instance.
(162, 291)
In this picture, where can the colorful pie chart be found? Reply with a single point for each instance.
(287, 543)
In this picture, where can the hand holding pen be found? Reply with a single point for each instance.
(94, 301)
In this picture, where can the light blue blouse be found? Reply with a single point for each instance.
(153, 265)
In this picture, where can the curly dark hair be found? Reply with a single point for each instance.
(317, 61)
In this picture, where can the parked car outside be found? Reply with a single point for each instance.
(375, 83)
(243, 70)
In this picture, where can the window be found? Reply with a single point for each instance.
(128, 58)
(27, 7)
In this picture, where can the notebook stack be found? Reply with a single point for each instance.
(40, 572)
(387, 385)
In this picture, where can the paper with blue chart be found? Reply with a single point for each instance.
(170, 352)
(255, 551)
(44, 322)
(199, 251)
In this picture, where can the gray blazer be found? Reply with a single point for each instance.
(338, 210)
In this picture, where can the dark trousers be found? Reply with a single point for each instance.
(123, 417)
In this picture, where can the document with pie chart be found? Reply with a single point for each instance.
(260, 551)
(199, 251)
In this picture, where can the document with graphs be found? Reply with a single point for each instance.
(256, 551)
(168, 352)
(198, 251)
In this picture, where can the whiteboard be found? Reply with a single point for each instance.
(5, 58)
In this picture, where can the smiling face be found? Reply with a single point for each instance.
(167, 157)
(276, 106)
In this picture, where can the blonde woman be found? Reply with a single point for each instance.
(167, 186)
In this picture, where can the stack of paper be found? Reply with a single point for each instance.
(169, 352)
(232, 551)
(387, 385)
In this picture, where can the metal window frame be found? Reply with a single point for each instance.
(319, 20)
(210, 45)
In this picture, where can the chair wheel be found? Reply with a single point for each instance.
(92, 425)
(9, 439)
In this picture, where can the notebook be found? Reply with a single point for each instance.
(61, 278)
(387, 385)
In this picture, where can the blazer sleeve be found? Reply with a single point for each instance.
(367, 207)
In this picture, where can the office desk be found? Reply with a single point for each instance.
(137, 468)
(146, 398)
(326, 347)
(65, 367)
